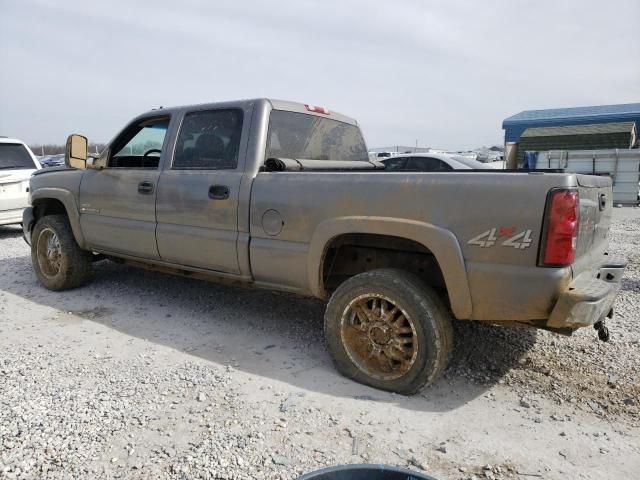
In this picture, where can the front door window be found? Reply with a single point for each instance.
(140, 146)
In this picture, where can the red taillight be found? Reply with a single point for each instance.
(563, 218)
(313, 108)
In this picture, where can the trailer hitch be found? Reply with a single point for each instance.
(601, 327)
(603, 331)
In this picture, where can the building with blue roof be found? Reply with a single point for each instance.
(515, 125)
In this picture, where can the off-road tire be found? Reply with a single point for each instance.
(74, 263)
(431, 320)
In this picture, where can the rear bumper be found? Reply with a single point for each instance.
(589, 298)
(27, 220)
(8, 217)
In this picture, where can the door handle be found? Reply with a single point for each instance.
(145, 187)
(218, 192)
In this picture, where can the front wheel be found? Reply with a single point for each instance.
(58, 260)
(387, 329)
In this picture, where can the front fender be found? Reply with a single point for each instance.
(27, 224)
(67, 199)
(441, 242)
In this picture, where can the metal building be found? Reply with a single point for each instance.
(515, 125)
(621, 165)
(599, 136)
(599, 140)
(533, 120)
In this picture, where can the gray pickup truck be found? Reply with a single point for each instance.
(282, 195)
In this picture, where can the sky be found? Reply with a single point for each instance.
(442, 73)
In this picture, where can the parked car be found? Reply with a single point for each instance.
(17, 163)
(281, 195)
(432, 162)
(52, 161)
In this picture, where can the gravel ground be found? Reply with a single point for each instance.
(143, 375)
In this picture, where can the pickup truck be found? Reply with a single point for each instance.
(282, 195)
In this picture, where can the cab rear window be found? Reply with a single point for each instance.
(309, 137)
(14, 156)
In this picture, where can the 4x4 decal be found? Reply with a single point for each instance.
(504, 236)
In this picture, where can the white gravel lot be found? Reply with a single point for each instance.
(143, 375)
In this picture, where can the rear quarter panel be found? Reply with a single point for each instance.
(504, 282)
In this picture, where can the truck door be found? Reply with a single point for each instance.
(117, 202)
(197, 203)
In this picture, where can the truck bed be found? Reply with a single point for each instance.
(499, 280)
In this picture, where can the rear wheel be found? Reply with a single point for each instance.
(388, 329)
(58, 261)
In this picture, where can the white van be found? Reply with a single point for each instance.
(17, 163)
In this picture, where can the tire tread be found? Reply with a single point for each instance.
(424, 299)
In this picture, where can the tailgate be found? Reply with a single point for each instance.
(596, 203)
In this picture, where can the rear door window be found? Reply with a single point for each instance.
(209, 140)
(427, 164)
(14, 156)
(309, 137)
(395, 163)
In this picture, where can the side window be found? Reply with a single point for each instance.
(444, 166)
(427, 164)
(395, 163)
(209, 140)
(140, 146)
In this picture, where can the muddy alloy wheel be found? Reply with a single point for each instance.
(57, 259)
(387, 329)
(379, 337)
(49, 252)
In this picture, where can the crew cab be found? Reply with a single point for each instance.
(282, 195)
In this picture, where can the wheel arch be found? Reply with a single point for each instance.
(441, 243)
(51, 201)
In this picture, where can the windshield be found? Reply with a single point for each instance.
(15, 156)
(298, 135)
